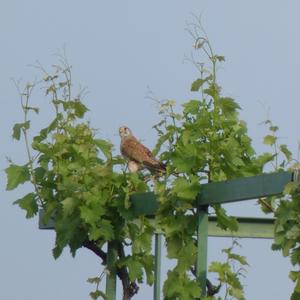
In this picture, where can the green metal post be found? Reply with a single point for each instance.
(201, 267)
(157, 266)
(111, 277)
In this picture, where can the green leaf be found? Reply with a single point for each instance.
(97, 294)
(270, 140)
(91, 214)
(35, 109)
(148, 265)
(220, 268)
(68, 232)
(94, 280)
(180, 286)
(191, 107)
(237, 293)
(80, 109)
(241, 259)
(29, 204)
(69, 205)
(264, 158)
(135, 268)
(225, 222)
(290, 188)
(17, 129)
(16, 175)
(295, 296)
(293, 233)
(103, 230)
(273, 128)
(186, 257)
(39, 174)
(284, 212)
(287, 153)
(228, 105)
(174, 244)
(142, 242)
(162, 139)
(297, 287)
(220, 58)
(294, 275)
(186, 189)
(105, 147)
(213, 90)
(295, 256)
(196, 85)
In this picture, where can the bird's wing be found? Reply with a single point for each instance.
(134, 150)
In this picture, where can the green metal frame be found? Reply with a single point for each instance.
(111, 279)
(211, 193)
(202, 240)
(157, 271)
(248, 228)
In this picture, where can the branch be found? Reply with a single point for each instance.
(263, 202)
(211, 289)
(129, 288)
(94, 248)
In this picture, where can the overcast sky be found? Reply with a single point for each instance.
(119, 50)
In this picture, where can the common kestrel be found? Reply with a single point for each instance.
(139, 156)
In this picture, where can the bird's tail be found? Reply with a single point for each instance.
(157, 166)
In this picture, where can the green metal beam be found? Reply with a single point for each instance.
(111, 277)
(216, 192)
(202, 239)
(248, 228)
(223, 192)
(157, 271)
(244, 188)
(144, 204)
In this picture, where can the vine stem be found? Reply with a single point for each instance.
(263, 202)
(25, 106)
(129, 288)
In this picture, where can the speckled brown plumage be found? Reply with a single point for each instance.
(135, 151)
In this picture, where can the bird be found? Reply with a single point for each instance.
(139, 156)
(133, 166)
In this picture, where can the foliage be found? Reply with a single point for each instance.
(75, 182)
(97, 293)
(204, 142)
(286, 209)
(229, 276)
(84, 188)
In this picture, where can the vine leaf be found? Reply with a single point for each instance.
(29, 204)
(198, 83)
(17, 129)
(270, 140)
(191, 107)
(105, 147)
(16, 175)
(284, 149)
(97, 294)
(228, 105)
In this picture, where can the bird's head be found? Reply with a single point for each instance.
(124, 131)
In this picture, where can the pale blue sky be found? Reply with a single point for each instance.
(118, 50)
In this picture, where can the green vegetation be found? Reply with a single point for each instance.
(85, 189)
